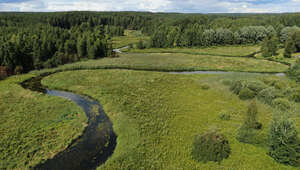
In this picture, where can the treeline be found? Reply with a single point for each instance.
(45, 46)
(196, 35)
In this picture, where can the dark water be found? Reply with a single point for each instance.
(95, 145)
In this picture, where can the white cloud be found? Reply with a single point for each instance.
(196, 6)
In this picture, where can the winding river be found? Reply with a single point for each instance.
(97, 142)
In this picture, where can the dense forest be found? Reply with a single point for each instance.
(43, 40)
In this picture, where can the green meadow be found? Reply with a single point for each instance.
(156, 116)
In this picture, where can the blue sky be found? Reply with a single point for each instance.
(186, 6)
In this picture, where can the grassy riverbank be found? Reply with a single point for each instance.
(157, 115)
(176, 62)
(34, 126)
(227, 51)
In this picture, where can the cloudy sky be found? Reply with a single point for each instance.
(185, 6)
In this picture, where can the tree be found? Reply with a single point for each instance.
(269, 46)
(289, 48)
(283, 141)
(82, 47)
(247, 133)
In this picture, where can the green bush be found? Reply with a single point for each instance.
(281, 103)
(227, 82)
(295, 95)
(224, 116)
(246, 94)
(280, 85)
(269, 94)
(270, 80)
(256, 86)
(294, 71)
(205, 87)
(236, 87)
(210, 147)
(247, 133)
(283, 142)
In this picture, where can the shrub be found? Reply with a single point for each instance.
(246, 94)
(210, 147)
(236, 87)
(251, 116)
(224, 116)
(247, 133)
(269, 81)
(269, 94)
(226, 82)
(280, 85)
(205, 87)
(295, 95)
(281, 103)
(294, 71)
(283, 142)
(256, 86)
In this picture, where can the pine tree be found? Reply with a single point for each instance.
(81, 47)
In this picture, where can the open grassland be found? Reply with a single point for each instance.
(130, 37)
(227, 51)
(177, 62)
(34, 126)
(157, 115)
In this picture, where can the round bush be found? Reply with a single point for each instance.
(210, 147)
(205, 87)
(269, 94)
(256, 86)
(281, 103)
(246, 94)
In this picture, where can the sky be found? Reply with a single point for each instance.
(183, 6)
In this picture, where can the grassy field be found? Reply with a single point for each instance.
(280, 57)
(130, 37)
(177, 62)
(157, 115)
(227, 51)
(34, 126)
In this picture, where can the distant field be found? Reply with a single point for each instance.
(234, 51)
(280, 57)
(131, 37)
(177, 62)
(157, 115)
(34, 126)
